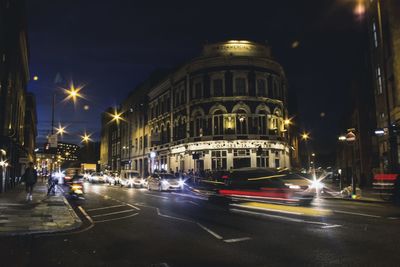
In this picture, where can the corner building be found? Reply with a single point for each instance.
(215, 113)
(223, 106)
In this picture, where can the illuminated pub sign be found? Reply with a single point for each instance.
(236, 48)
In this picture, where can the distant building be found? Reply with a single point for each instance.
(67, 151)
(16, 108)
(384, 36)
(217, 112)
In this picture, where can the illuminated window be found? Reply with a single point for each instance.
(241, 122)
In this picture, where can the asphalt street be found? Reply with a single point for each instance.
(137, 227)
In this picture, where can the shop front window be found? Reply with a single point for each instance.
(218, 160)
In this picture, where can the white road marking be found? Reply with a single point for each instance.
(217, 236)
(108, 207)
(281, 217)
(194, 203)
(233, 240)
(130, 205)
(86, 215)
(111, 213)
(156, 196)
(172, 217)
(356, 213)
(120, 218)
(393, 218)
(331, 226)
(188, 195)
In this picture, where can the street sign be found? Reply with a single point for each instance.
(53, 140)
(350, 137)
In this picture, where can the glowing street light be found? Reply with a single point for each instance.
(305, 136)
(73, 92)
(287, 122)
(117, 117)
(61, 129)
(35, 78)
(86, 138)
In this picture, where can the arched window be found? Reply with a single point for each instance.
(198, 124)
(182, 129)
(218, 123)
(262, 122)
(241, 122)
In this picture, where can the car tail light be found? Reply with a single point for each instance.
(225, 177)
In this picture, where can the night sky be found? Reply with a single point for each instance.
(111, 46)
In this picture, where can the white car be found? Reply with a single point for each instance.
(97, 178)
(113, 178)
(164, 182)
(128, 177)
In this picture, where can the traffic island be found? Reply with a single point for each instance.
(44, 214)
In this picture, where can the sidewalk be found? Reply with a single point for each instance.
(45, 214)
(364, 195)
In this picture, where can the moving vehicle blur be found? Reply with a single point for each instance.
(76, 186)
(262, 183)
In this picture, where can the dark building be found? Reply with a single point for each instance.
(384, 36)
(14, 76)
(215, 112)
(30, 126)
(89, 153)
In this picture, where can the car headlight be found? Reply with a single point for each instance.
(181, 183)
(317, 184)
(293, 186)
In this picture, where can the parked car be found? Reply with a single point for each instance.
(113, 178)
(127, 177)
(164, 182)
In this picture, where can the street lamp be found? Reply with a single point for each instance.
(350, 139)
(305, 137)
(61, 130)
(86, 138)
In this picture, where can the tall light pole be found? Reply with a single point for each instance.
(117, 118)
(305, 137)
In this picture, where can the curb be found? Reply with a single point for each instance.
(358, 200)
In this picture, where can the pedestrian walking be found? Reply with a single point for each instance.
(30, 179)
(52, 181)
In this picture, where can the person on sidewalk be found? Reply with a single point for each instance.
(52, 181)
(30, 179)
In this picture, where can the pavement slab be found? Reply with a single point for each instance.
(44, 214)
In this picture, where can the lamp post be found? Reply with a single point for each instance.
(305, 137)
(350, 139)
